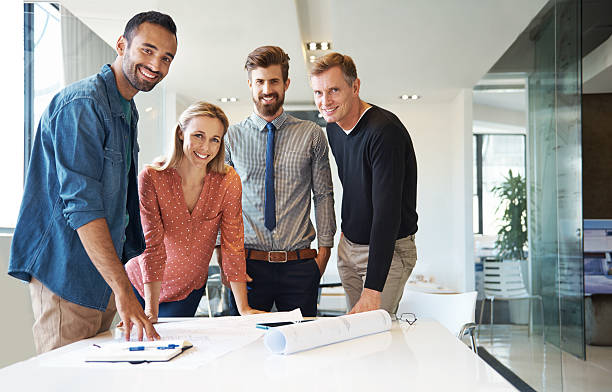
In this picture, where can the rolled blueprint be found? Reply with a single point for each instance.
(304, 336)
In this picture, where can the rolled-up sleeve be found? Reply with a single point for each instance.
(232, 230)
(323, 191)
(79, 159)
(153, 260)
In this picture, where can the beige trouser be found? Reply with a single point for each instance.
(353, 266)
(58, 322)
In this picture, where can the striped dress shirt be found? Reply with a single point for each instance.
(301, 165)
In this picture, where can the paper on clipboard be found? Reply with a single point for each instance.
(153, 351)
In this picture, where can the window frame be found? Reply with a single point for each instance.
(478, 137)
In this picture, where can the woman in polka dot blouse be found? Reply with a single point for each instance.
(185, 198)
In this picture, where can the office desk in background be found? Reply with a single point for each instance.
(421, 357)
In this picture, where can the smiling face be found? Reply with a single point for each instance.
(336, 100)
(147, 57)
(201, 140)
(268, 91)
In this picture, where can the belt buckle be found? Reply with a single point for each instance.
(277, 251)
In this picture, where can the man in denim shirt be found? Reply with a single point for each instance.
(79, 219)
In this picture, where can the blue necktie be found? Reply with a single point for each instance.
(270, 201)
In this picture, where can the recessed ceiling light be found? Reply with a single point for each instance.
(323, 45)
(148, 109)
(407, 97)
(228, 99)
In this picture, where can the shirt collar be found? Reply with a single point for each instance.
(115, 99)
(348, 131)
(260, 123)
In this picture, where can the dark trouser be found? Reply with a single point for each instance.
(183, 308)
(290, 285)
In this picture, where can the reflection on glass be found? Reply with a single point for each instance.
(555, 267)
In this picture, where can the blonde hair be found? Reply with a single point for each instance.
(175, 152)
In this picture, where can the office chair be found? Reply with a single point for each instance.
(214, 279)
(456, 312)
(330, 293)
(503, 280)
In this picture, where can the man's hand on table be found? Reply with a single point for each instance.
(131, 314)
(369, 300)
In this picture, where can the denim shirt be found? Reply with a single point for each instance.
(77, 174)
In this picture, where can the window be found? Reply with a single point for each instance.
(42, 78)
(494, 156)
(43, 64)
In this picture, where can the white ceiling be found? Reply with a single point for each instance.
(511, 100)
(424, 47)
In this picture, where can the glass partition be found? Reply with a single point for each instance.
(555, 185)
(538, 347)
(569, 175)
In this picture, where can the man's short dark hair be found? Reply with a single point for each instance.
(265, 56)
(154, 17)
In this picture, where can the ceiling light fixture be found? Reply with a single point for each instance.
(406, 97)
(312, 58)
(228, 99)
(323, 45)
(148, 109)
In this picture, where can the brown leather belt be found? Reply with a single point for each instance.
(280, 256)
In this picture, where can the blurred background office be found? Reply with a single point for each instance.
(508, 105)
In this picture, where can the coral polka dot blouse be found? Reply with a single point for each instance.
(180, 244)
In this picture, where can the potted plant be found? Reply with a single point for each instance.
(512, 235)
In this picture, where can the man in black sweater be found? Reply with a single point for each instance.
(377, 167)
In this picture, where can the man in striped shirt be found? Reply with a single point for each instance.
(281, 160)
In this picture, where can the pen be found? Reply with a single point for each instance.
(142, 348)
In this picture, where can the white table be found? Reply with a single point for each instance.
(421, 357)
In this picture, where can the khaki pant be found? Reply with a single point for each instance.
(353, 266)
(58, 322)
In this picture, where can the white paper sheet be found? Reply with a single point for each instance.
(211, 338)
(303, 336)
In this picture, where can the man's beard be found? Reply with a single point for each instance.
(269, 109)
(130, 71)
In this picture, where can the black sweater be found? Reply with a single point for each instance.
(377, 168)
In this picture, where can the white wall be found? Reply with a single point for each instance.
(17, 319)
(462, 190)
(153, 109)
(442, 138)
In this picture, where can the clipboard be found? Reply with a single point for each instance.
(138, 352)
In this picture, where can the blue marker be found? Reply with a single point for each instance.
(137, 348)
(168, 347)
